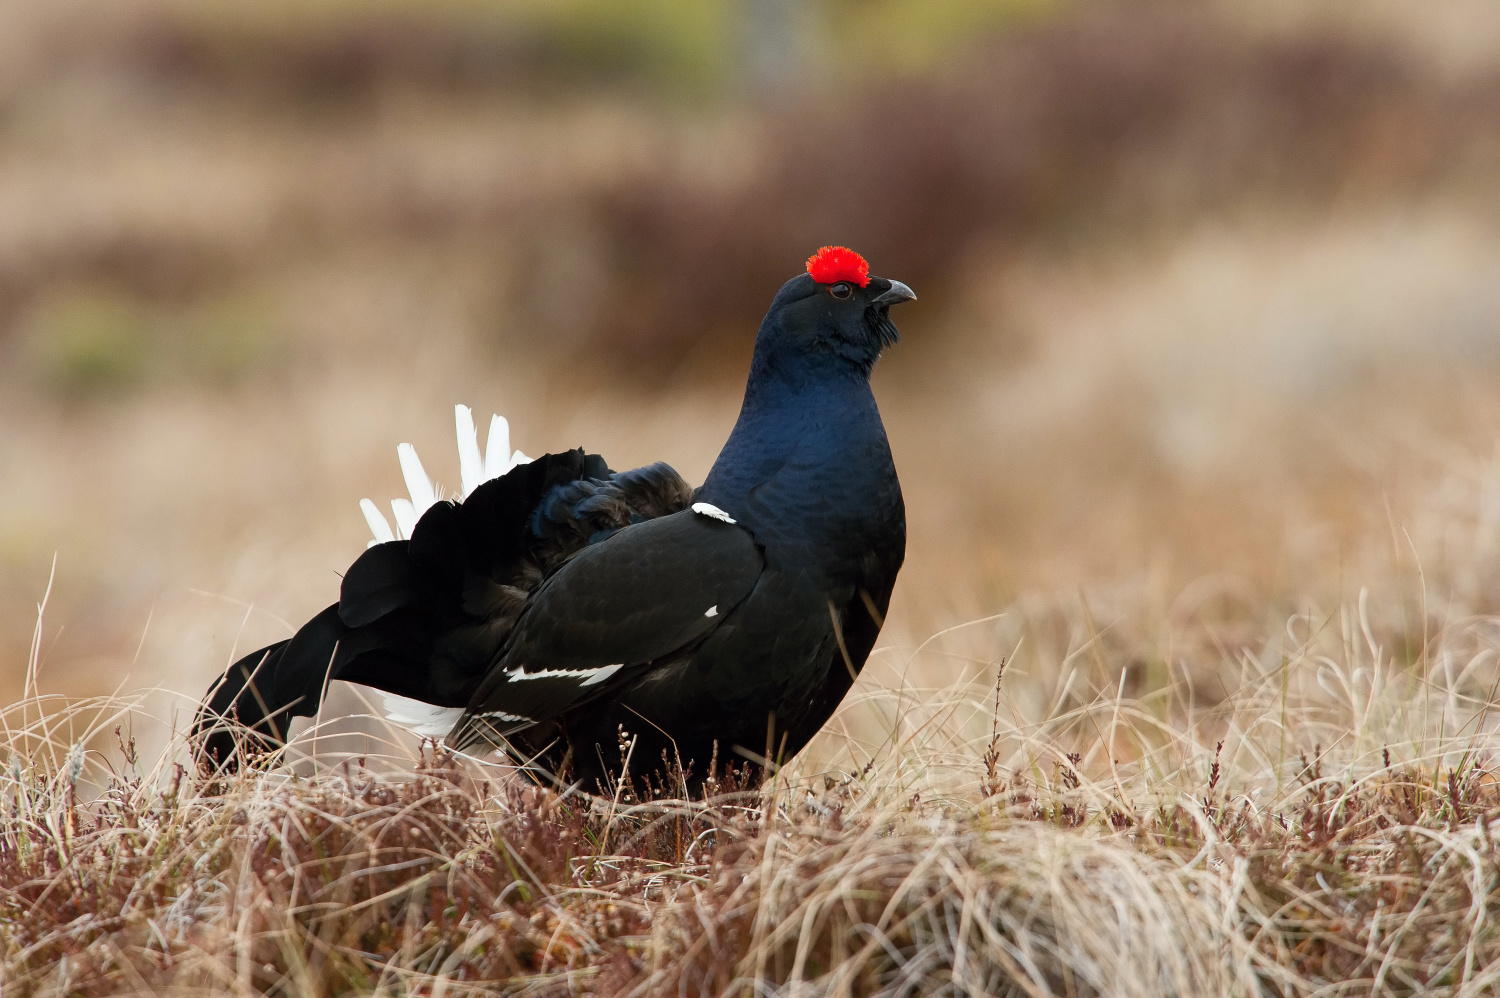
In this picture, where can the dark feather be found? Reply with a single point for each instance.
(426, 618)
(650, 590)
(563, 603)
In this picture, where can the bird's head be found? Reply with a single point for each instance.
(836, 312)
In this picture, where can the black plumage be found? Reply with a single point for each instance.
(562, 602)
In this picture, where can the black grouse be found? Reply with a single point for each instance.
(562, 602)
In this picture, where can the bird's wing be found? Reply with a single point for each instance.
(425, 619)
(645, 592)
(470, 568)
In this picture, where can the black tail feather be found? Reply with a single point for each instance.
(255, 699)
(422, 618)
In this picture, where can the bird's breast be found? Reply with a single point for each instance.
(812, 478)
(828, 517)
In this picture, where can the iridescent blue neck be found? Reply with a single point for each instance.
(807, 469)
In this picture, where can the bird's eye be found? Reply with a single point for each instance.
(841, 290)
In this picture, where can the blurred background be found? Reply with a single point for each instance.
(1209, 318)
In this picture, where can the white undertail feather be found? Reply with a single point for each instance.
(420, 718)
(474, 471)
(379, 525)
(418, 484)
(470, 464)
(406, 517)
(496, 449)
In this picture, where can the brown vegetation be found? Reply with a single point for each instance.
(1369, 879)
(1195, 418)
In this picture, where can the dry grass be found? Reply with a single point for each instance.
(1058, 815)
(1193, 420)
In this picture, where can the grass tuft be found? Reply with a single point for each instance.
(1326, 828)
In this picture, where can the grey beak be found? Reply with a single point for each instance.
(897, 294)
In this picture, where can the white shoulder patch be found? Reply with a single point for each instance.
(709, 509)
(421, 718)
(712, 611)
